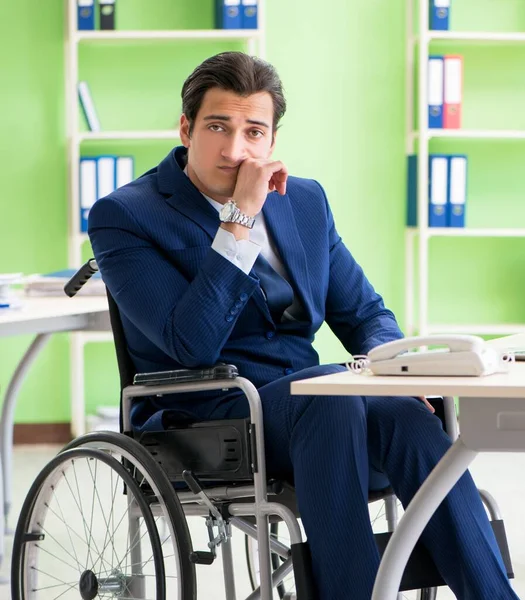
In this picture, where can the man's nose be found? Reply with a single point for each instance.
(234, 149)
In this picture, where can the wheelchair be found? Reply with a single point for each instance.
(106, 518)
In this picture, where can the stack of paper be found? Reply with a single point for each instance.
(52, 284)
(8, 297)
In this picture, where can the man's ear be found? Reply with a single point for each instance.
(184, 131)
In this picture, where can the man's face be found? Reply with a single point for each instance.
(228, 129)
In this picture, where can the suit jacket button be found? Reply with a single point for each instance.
(288, 371)
(269, 335)
(243, 297)
(229, 318)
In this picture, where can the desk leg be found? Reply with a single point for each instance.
(419, 512)
(8, 411)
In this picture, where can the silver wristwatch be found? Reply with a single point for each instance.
(230, 213)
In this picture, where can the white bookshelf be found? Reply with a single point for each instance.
(417, 265)
(160, 134)
(254, 41)
(475, 36)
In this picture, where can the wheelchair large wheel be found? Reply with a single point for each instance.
(68, 545)
(169, 515)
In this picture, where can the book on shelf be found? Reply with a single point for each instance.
(85, 15)
(447, 190)
(98, 177)
(228, 14)
(439, 15)
(88, 107)
(106, 14)
(445, 91)
(249, 16)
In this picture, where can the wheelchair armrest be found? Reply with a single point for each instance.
(217, 373)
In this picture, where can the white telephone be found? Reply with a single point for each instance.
(465, 355)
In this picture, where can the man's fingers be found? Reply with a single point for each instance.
(427, 404)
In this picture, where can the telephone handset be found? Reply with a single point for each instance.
(464, 355)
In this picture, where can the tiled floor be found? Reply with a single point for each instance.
(500, 474)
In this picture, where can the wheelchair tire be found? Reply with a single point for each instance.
(38, 535)
(139, 459)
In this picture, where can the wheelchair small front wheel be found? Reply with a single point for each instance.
(79, 536)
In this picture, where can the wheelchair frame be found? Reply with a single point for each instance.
(199, 501)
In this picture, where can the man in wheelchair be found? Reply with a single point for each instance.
(219, 255)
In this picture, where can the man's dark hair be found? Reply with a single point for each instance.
(236, 72)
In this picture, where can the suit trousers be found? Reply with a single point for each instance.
(327, 444)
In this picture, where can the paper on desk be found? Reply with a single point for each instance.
(509, 342)
(8, 297)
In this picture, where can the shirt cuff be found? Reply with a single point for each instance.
(241, 253)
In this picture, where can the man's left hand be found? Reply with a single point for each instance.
(427, 404)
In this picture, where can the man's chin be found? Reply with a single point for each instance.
(222, 192)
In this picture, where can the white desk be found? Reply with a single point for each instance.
(491, 418)
(42, 317)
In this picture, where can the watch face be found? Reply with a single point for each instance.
(227, 211)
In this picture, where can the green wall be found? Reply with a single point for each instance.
(344, 76)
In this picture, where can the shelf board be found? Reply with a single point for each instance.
(159, 134)
(176, 34)
(495, 134)
(476, 36)
(477, 329)
(469, 232)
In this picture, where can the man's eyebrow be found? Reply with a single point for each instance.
(226, 118)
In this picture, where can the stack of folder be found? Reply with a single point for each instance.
(8, 297)
(99, 176)
(236, 14)
(86, 14)
(52, 284)
(445, 91)
(447, 190)
(439, 15)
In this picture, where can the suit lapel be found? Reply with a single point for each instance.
(282, 228)
(184, 197)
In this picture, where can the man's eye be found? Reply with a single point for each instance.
(215, 128)
(256, 133)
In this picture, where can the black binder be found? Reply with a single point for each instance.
(106, 12)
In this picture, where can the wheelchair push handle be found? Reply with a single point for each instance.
(82, 276)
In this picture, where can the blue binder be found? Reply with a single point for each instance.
(457, 196)
(88, 192)
(438, 190)
(439, 16)
(249, 14)
(412, 191)
(436, 87)
(85, 14)
(438, 166)
(228, 14)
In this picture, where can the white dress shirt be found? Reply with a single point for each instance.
(244, 253)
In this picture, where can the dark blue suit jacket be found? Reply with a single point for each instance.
(183, 305)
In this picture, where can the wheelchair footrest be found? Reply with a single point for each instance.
(421, 572)
(303, 574)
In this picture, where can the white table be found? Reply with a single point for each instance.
(491, 418)
(41, 317)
